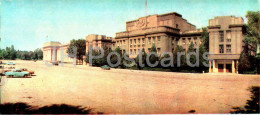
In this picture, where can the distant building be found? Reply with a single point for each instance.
(166, 31)
(99, 41)
(225, 43)
(53, 51)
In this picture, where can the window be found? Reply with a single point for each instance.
(195, 40)
(183, 41)
(158, 38)
(228, 36)
(124, 41)
(138, 40)
(131, 41)
(158, 50)
(149, 40)
(134, 41)
(149, 49)
(228, 48)
(177, 26)
(221, 36)
(153, 39)
(221, 48)
(131, 51)
(143, 40)
(173, 42)
(189, 40)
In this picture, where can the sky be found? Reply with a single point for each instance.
(28, 24)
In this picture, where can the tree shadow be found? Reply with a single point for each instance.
(252, 105)
(23, 108)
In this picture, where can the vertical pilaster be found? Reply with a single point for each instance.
(210, 67)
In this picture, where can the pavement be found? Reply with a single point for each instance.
(128, 91)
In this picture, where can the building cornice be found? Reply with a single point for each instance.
(146, 31)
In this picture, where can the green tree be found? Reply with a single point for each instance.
(39, 54)
(143, 56)
(205, 38)
(80, 44)
(114, 58)
(253, 26)
(153, 58)
(246, 62)
(182, 58)
(202, 60)
(192, 49)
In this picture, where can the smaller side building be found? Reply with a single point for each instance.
(93, 40)
(226, 43)
(56, 52)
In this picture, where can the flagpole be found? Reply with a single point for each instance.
(146, 13)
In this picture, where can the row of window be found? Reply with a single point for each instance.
(189, 40)
(136, 51)
(221, 49)
(221, 36)
(139, 41)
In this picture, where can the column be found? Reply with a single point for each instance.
(233, 66)
(214, 66)
(209, 66)
(224, 67)
(237, 67)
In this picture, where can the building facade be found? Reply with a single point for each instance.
(56, 52)
(165, 31)
(93, 40)
(226, 43)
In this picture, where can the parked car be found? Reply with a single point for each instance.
(1, 69)
(17, 73)
(105, 67)
(55, 63)
(30, 72)
(6, 69)
(10, 63)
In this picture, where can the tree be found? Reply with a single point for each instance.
(12, 53)
(253, 29)
(192, 49)
(153, 58)
(80, 44)
(205, 38)
(202, 50)
(246, 62)
(39, 54)
(182, 59)
(143, 55)
(114, 58)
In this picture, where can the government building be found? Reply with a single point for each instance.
(166, 31)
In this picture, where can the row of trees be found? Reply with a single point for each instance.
(9, 53)
(172, 65)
